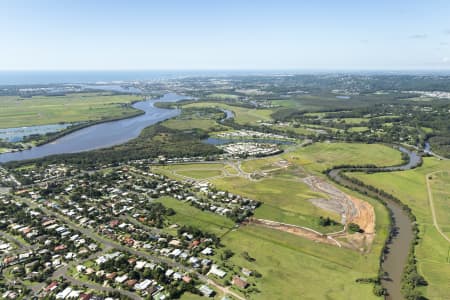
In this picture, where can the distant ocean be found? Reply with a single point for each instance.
(58, 77)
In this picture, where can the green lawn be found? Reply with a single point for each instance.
(440, 187)
(353, 120)
(222, 96)
(197, 171)
(200, 174)
(41, 110)
(189, 215)
(296, 268)
(320, 156)
(432, 250)
(283, 200)
(183, 124)
(242, 115)
(358, 129)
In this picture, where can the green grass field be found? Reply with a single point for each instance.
(242, 115)
(320, 156)
(196, 171)
(41, 110)
(353, 121)
(440, 188)
(293, 267)
(200, 174)
(222, 96)
(189, 215)
(283, 200)
(181, 124)
(432, 250)
(358, 129)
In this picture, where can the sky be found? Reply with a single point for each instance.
(224, 35)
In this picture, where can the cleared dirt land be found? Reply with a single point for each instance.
(289, 263)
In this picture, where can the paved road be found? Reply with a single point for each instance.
(112, 244)
(63, 272)
(107, 242)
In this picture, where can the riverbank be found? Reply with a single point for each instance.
(103, 134)
(397, 261)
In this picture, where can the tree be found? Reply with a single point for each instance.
(352, 227)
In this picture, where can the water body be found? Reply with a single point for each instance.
(17, 134)
(394, 260)
(427, 148)
(102, 135)
(228, 114)
(414, 161)
(60, 77)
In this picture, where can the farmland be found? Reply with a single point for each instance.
(242, 115)
(41, 110)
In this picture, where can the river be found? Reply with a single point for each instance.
(395, 258)
(104, 134)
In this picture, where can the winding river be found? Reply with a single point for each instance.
(104, 134)
(397, 249)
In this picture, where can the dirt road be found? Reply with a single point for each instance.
(433, 211)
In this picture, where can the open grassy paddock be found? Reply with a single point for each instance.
(321, 156)
(433, 249)
(185, 214)
(222, 96)
(291, 265)
(42, 110)
(194, 171)
(208, 125)
(242, 115)
(439, 185)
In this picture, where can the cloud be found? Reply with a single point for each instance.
(418, 36)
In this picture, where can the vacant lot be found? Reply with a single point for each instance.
(41, 110)
(181, 124)
(191, 216)
(291, 266)
(195, 171)
(320, 156)
(284, 200)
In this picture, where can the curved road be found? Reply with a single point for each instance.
(109, 244)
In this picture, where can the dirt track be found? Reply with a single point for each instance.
(297, 230)
(350, 208)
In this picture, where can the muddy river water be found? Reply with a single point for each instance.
(397, 252)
